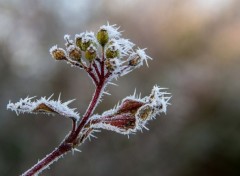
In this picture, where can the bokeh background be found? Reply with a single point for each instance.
(196, 49)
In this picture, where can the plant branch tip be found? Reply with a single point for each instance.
(104, 56)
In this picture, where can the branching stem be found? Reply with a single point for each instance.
(109, 65)
(72, 140)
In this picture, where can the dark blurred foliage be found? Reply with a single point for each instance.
(195, 46)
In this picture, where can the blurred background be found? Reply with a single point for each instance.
(195, 46)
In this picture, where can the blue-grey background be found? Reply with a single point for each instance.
(196, 49)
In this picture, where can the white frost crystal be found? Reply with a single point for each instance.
(43, 105)
(112, 30)
(143, 56)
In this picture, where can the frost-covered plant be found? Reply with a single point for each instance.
(104, 57)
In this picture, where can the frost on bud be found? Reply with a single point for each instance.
(133, 113)
(102, 37)
(91, 53)
(74, 53)
(58, 53)
(45, 106)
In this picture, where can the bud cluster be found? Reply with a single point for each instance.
(84, 45)
(117, 55)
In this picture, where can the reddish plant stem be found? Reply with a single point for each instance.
(90, 108)
(45, 162)
(102, 63)
(88, 70)
(68, 144)
(97, 69)
(71, 141)
(92, 76)
(73, 125)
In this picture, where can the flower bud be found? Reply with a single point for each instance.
(85, 45)
(102, 37)
(58, 53)
(78, 41)
(112, 52)
(145, 112)
(122, 120)
(135, 61)
(90, 53)
(74, 53)
(110, 64)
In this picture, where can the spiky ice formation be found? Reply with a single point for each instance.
(43, 105)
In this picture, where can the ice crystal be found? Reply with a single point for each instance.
(144, 57)
(88, 36)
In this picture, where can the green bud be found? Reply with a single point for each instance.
(109, 63)
(102, 37)
(78, 41)
(85, 45)
(112, 52)
(90, 53)
(75, 54)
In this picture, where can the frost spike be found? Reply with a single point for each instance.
(49, 97)
(68, 102)
(111, 83)
(106, 93)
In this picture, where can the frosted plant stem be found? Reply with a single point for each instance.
(118, 58)
(48, 160)
(71, 141)
(102, 62)
(96, 69)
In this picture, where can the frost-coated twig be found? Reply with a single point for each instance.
(70, 142)
(104, 57)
